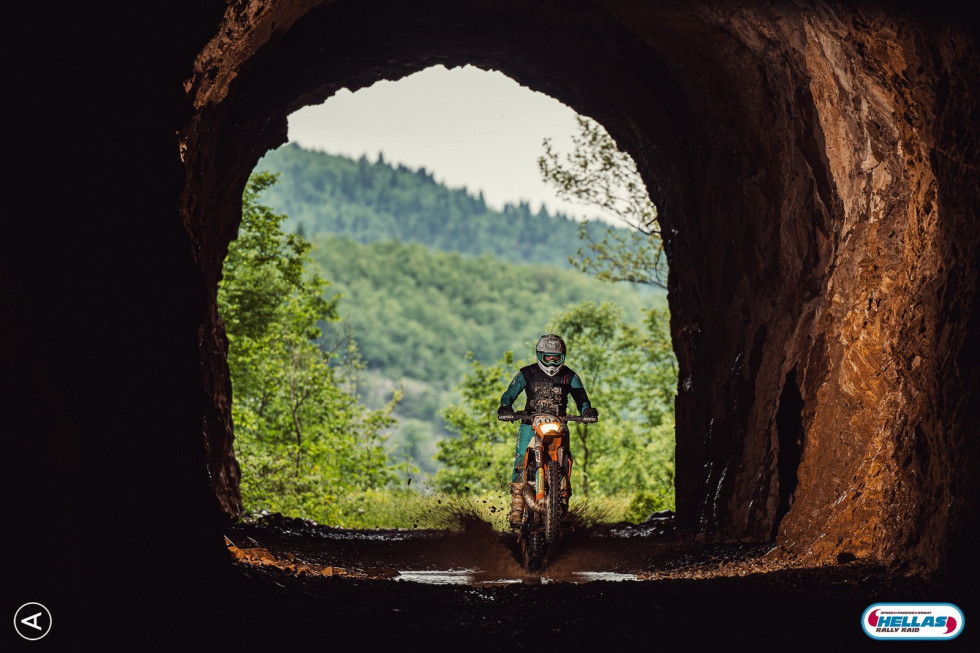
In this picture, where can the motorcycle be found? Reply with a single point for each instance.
(547, 483)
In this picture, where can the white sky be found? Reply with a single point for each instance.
(467, 126)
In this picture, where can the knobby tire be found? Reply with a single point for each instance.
(552, 517)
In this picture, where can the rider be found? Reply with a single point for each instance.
(547, 386)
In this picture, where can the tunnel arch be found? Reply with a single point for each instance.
(801, 202)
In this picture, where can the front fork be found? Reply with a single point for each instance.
(567, 491)
(564, 460)
(539, 472)
(535, 448)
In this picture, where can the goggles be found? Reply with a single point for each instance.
(551, 360)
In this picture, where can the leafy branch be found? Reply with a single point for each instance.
(597, 173)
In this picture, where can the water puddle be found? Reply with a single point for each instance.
(476, 577)
(592, 576)
(438, 577)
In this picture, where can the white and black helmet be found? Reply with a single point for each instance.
(551, 353)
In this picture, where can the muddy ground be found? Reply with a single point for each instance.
(649, 588)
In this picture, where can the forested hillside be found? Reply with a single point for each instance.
(416, 313)
(371, 201)
(429, 277)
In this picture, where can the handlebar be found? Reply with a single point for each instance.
(580, 418)
(527, 414)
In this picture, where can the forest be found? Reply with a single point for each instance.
(369, 201)
(364, 360)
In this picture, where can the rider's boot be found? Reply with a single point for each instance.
(516, 504)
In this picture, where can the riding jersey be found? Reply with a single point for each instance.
(546, 394)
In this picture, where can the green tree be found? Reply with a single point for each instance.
(370, 201)
(302, 437)
(591, 333)
(597, 173)
(417, 312)
(630, 375)
(478, 458)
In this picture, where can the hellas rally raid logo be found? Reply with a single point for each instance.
(912, 621)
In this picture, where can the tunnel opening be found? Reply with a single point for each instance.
(791, 435)
(748, 150)
(402, 251)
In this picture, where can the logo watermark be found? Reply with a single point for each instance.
(912, 621)
(32, 621)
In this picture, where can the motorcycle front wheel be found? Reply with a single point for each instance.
(552, 510)
(532, 548)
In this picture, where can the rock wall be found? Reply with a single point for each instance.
(812, 266)
(838, 226)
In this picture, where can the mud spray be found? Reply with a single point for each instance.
(454, 540)
(480, 547)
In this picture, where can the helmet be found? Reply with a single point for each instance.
(551, 353)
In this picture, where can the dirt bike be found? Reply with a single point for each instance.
(547, 483)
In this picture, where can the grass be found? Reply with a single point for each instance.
(406, 509)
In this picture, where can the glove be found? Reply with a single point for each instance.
(505, 413)
(591, 413)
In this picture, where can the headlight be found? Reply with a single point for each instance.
(547, 425)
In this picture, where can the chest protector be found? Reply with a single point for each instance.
(546, 394)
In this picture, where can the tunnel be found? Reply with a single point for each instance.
(814, 165)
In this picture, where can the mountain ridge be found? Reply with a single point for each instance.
(370, 201)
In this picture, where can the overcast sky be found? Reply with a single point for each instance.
(469, 127)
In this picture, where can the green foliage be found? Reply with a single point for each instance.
(413, 443)
(595, 510)
(416, 313)
(644, 503)
(425, 318)
(404, 508)
(630, 375)
(394, 507)
(302, 437)
(460, 280)
(597, 173)
(377, 201)
(479, 457)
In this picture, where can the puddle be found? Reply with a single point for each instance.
(475, 577)
(592, 576)
(438, 577)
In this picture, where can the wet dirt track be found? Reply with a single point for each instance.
(641, 588)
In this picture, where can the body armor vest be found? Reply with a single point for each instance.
(546, 394)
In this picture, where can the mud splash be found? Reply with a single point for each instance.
(470, 549)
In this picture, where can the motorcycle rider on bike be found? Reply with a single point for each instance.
(547, 386)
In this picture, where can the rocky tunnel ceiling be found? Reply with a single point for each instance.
(812, 163)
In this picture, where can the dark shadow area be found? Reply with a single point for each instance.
(789, 427)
